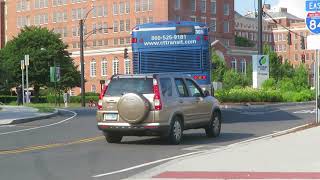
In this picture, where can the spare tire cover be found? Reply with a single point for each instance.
(133, 108)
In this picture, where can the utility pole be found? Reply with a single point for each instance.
(260, 43)
(22, 80)
(83, 104)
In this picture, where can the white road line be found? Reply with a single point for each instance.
(48, 125)
(147, 164)
(193, 148)
(198, 152)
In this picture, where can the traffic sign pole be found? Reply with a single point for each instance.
(313, 24)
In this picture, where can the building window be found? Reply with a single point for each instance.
(203, 6)
(178, 18)
(127, 7)
(226, 26)
(150, 6)
(213, 25)
(234, 64)
(122, 7)
(178, 4)
(193, 18)
(145, 20)
(128, 25)
(121, 25)
(193, 5)
(115, 66)
(226, 10)
(144, 5)
(105, 28)
(243, 66)
(137, 5)
(151, 19)
(93, 68)
(121, 41)
(213, 7)
(115, 9)
(115, 26)
(127, 66)
(138, 21)
(115, 41)
(93, 88)
(104, 67)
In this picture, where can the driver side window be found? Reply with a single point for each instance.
(195, 91)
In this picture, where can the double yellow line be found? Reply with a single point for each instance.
(49, 146)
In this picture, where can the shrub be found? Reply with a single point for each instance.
(73, 99)
(90, 94)
(269, 84)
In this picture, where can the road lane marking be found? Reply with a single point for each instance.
(48, 125)
(148, 164)
(49, 146)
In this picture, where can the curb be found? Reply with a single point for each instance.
(241, 105)
(24, 120)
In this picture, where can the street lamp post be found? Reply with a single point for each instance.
(83, 104)
(26, 61)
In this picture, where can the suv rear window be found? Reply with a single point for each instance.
(121, 86)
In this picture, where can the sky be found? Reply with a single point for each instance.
(295, 7)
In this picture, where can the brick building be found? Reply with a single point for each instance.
(104, 47)
(2, 23)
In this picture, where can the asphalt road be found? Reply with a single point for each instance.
(69, 146)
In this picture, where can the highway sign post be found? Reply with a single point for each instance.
(313, 41)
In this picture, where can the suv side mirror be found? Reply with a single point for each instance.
(206, 93)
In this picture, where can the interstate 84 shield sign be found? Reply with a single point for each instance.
(313, 22)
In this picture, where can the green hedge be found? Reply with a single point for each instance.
(73, 99)
(256, 95)
(10, 99)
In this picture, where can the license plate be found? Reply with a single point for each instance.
(111, 117)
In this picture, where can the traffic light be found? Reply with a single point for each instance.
(125, 53)
(302, 43)
(289, 38)
(303, 58)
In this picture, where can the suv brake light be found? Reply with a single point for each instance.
(104, 90)
(156, 98)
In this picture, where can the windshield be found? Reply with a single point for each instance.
(120, 86)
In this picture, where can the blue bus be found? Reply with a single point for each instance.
(172, 46)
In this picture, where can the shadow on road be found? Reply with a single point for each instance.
(192, 139)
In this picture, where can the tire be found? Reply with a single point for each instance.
(214, 127)
(112, 138)
(176, 131)
(133, 108)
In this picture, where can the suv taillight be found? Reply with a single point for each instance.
(101, 97)
(156, 98)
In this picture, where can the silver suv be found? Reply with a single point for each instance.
(156, 105)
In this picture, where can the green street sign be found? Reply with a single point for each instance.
(54, 74)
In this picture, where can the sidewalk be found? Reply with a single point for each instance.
(291, 156)
(21, 114)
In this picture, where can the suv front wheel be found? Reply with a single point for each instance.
(214, 127)
(176, 131)
(112, 138)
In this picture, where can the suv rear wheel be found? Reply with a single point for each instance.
(112, 138)
(176, 131)
(214, 127)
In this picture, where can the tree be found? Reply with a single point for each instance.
(274, 63)
(233, 79)
(219, 67)
(243, 42)
(45, 49)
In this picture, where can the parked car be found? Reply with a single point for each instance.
(156, 105)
